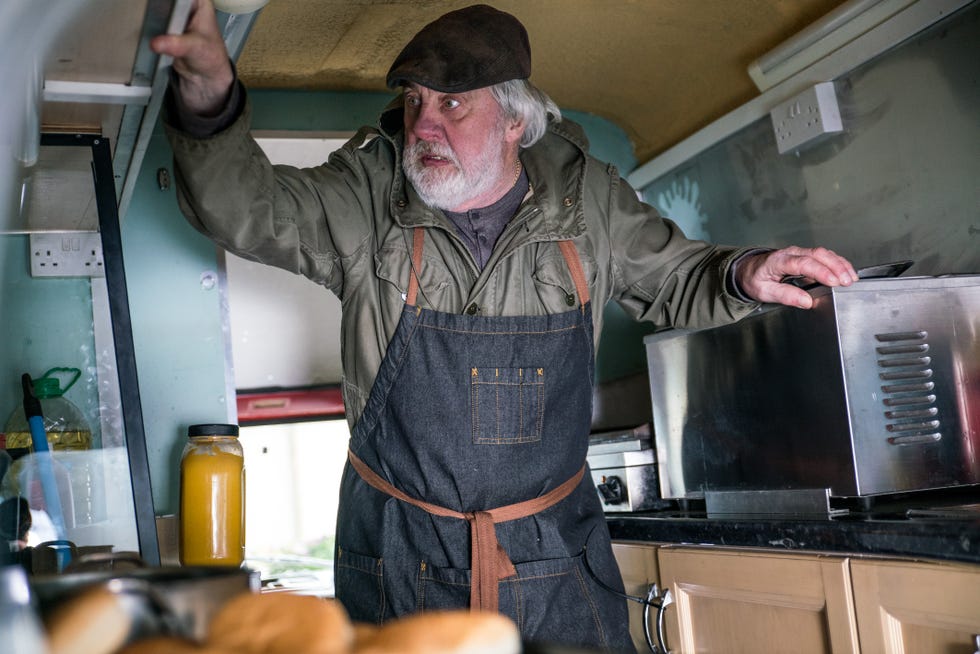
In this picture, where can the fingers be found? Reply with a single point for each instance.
(826, 267)
(200, 60)
(819, 264)
(174, 45)
(201, 31)
(203, 18)
(763, 276)
(793, 296)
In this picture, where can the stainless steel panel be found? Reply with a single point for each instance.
(792, 502)
(625, 481)
(622, 459)
(911, 355)
(875, 390)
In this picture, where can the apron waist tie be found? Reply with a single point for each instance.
(489, 562)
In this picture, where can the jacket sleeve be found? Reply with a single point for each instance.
(305, 221)
(663, 277)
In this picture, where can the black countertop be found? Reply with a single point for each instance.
(945, 528)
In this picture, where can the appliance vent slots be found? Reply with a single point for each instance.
(904, 368)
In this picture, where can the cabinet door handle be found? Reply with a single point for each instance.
(665, 600)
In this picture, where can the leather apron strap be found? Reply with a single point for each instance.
(418, 238)
(572, 260)
(574, 264)
(488, 560)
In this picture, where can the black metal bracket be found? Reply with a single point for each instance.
(122, 335)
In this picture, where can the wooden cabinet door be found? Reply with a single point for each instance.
(916, 608)
(735, 601)
(638, 565)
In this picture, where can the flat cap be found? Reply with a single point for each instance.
(463, 50)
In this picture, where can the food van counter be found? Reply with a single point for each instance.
(944, 530)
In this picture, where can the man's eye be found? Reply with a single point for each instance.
(451, 103)
(412, 101)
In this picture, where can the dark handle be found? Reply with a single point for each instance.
(893, 269)
(612, 490)
(32, 405)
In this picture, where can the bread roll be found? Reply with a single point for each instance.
(94, 622)
(444, 632)
(281, 623)
(166, 645)
(363, 632)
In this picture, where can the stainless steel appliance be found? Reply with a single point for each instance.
(623, 466)
(876, 390)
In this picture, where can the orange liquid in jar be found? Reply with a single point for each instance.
(212, 501)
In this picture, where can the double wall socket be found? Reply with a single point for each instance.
(66, 254)
(806, 118)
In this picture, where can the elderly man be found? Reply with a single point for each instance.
(473, 242)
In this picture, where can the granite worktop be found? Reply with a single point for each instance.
(940, 527)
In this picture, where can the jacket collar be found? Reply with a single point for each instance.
(555, 165)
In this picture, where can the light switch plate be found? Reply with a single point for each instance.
(66, 254)
(806, 118)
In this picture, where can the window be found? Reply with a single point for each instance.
(292, 478)
(285, 344)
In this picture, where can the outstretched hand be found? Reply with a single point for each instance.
(200, 60)
(763, 276)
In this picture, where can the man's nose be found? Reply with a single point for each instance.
(428, 122)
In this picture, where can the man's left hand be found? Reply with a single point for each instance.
(763, 276)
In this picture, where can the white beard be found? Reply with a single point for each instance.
(447, 187)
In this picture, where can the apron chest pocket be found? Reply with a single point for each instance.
(507, 405)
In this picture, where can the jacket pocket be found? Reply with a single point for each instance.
(393, 264)
(507, 405)
(552, 277)
(359, 585)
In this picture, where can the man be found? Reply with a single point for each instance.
(473, 243)
(15, 523)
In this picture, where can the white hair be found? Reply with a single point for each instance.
(521, 100)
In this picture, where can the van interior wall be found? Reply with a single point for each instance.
(899, 183)
(177, 307)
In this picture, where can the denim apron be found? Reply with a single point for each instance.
(466, 483)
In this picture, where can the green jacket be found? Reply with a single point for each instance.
(347, 224)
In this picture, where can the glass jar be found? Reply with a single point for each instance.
(212, 497)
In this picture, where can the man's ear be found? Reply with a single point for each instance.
(514, 130)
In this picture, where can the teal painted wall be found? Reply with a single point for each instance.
(620, 351)
(176, 323)
(44, 323)
(177, 328)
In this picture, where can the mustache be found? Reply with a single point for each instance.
(420, 149)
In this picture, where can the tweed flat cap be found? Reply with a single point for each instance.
(463, 50)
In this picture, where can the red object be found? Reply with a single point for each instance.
(289, 405)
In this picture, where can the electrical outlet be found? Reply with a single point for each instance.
(66, 254)
(806, 118)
